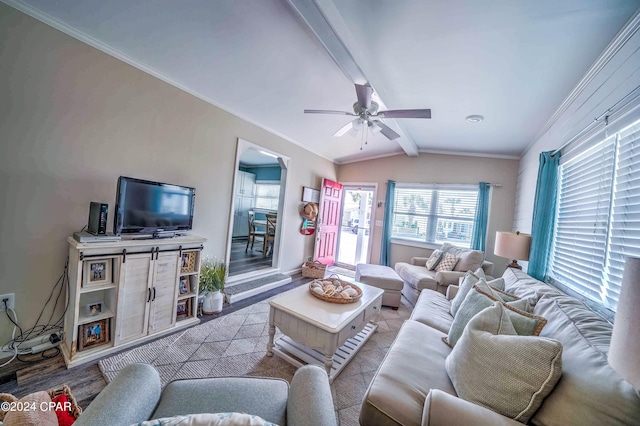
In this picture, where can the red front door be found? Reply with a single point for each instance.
(329, 222)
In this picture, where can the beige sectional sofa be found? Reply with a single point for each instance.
(412, 386)
(417, 277)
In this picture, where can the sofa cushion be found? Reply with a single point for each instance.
(417, 276)
(413, 365)
(434, 259)
(468, 260)
(590, 391)
(524, 323)
(447, 262)
(432, 309)
(494, 367)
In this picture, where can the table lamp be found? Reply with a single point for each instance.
(624, 351)
(512, 245)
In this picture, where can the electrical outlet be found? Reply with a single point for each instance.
(10, 302)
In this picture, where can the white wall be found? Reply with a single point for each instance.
(73, 119)
(438, 168)
(619, 75)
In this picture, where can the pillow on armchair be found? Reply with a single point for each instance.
(468, 260)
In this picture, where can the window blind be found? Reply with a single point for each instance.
(598, 216)
(435, 213)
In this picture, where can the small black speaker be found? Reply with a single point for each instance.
(97, 218)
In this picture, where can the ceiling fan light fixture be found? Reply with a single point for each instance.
(474, 118)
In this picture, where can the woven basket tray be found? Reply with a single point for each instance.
(64, 390)
(313, 269)
(338, 299)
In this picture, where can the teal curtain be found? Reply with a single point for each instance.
(385, 249)
(479, 237)
(544, 209)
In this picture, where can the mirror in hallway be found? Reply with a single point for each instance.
(257, 204)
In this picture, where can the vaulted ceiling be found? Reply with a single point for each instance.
(513, 62)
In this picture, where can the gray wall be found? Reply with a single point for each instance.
(73, 119)
(439, 168)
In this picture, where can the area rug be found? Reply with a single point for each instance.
(235, 345)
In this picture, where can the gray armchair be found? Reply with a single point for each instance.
(135, 395)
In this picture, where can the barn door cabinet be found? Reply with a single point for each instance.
(124, 293)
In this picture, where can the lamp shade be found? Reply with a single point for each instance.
(624, 352)
(512, 245)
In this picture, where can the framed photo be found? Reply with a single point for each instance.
(93, 334)
(183, 286)
(183, 309)
(97, 272)
(188, 262)
(95, 308)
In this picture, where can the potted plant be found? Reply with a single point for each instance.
(213, 274)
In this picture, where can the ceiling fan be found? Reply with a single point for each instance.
(369, 117)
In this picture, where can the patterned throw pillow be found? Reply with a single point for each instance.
(447, 263)
(434, 259)
(493, 367)
(209, 419)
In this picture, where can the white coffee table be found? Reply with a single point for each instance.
(319, 332)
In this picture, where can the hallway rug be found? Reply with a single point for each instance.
(235, 345)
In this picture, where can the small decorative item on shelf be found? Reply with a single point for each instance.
(188, 262)
(94, 308)
(213, 275)
(183, 286)
(335, 290)
(93, 334)
(97, 272)
(183, 309)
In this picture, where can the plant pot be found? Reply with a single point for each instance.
(212, 303)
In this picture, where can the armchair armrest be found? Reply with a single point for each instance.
(441, 408)
(419, 261)
(130, 398)
(310, 401)
(488, 268)
(452, 290)
(447, 278)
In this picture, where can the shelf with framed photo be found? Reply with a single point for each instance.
(184, 308)
(94, 334)
(96, 305)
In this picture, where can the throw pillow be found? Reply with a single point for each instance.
(493, 367)
(209, 419)
(524, 323)
(36, 417)
(496, 292)
(467, 284)
(447, 263)
(434, 259)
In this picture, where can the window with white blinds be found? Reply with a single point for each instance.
(434, 213)
(598, 216)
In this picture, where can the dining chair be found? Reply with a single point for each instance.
(254, 232)
(270, 236)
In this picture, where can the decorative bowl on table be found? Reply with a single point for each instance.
(335, 290)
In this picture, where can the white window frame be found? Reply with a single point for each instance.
(271, 199)
(432, 237)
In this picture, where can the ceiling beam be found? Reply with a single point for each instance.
(327, 24)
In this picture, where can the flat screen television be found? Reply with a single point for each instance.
(146, 207)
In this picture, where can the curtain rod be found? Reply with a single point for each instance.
(604, 115)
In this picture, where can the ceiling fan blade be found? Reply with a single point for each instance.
(405, 113)
(386, 130)
(364, 95)
(326, 111)
(344, 129)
